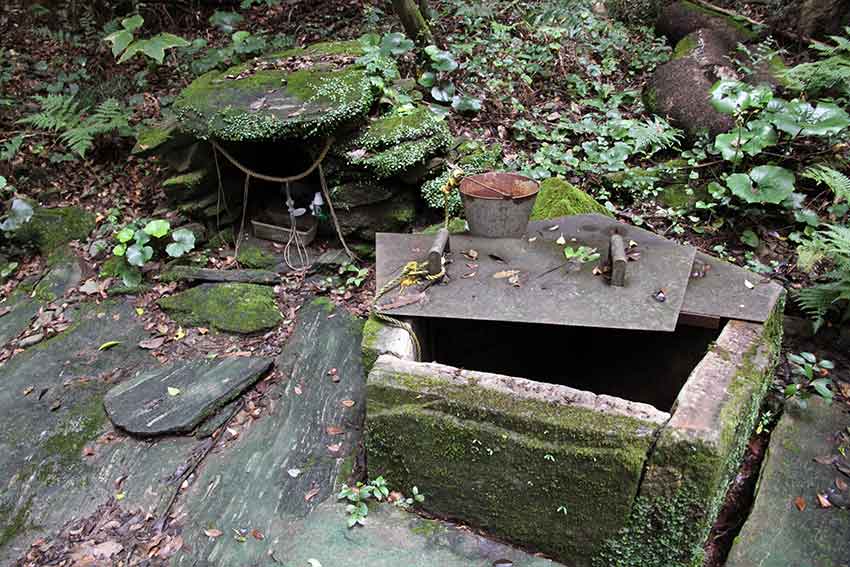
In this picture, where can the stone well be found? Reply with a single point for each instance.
(618, 451)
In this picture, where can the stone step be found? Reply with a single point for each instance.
(803, 461)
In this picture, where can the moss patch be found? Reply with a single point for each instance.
(557, 198)
(398, 127)
(267, 102)
(254, 256)
(233, 307)
(50, 229)
(685, 46)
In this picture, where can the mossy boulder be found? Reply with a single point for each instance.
(558, 198)
(232, 307)
(682, 196)
(397, 142)
(292, 94)
(50, 229)
(252, 255)
(677, 20)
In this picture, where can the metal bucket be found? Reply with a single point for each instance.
(498, 205)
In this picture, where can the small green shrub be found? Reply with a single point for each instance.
(139, 241)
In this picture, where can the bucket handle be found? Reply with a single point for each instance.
(491, 188)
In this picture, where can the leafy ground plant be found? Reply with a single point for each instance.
(375, 490)
(125, 45)
(810, 378)
(138, 242)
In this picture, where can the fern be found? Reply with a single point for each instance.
(832, 178)
(828, 74)
(58, 112)
(62, 113)
(110, 115)
(650, 136)
(834, 293)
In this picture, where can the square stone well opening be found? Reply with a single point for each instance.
(596, 444)
(640, 366)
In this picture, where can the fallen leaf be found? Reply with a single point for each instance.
(749, 284)
(28, 391)
(468, 275)
(297, 390)
(334, 374)
(505, 274)
(180, 334)
(312, 493)
(213, 533)
(472, 254)
(800, 503)
(162, 329)
(294, 472)
(119, 496)
(347, 403)
(106, 549)
(333, 430)
(152, 344)
(561, 240)
(840, 484)
(173, 391)
(514, 280)
(108, 345)
(257, 534)
(89, 288)
(203, 330)
(532, 239)
(823, 501)
(335, 447)
(56, 405)
(140, 311)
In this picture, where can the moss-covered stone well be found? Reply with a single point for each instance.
(595, 446)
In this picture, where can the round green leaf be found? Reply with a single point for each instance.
(137, 255)
(427, 79)
(395, 44)
(184, 241)
(119, 250)
(773, 183)
(466, 104)
(443, 91)
(157, 228)
(750, 238)
(125, 234)
(441, 60)
(741, 186)
(132, 23)
(226, 21)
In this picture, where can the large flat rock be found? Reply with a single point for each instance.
(778, 533)
(55, 462)
(232, 307)
(177, 397)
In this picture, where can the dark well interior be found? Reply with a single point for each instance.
(641, 366)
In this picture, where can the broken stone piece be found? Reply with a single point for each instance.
(177, 397)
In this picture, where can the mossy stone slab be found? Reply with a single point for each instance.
(22, 308)
(777, 533)
(542, 465)
(50, 229)
(178, 397)
(291, 94)
(191, 273)
(232, 307)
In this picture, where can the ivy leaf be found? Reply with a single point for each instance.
(125, 235)
(137, 255)
(466, 104)
(184, 241)
(799, 118)
(119, 40)
(154, 47)
(20, 213)
(141, 237)
(441, 60)
(427, 79)
(750, 238)
(157, 228)
(761, 135)
(225, 21)
(734, 97)
(443, 91)
(395, 44)
(132, 23)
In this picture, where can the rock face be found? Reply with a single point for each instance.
(232, 307)
(178, 397)
(679, 19)
(777, 532)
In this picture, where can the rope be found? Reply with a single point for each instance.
(294, 237)
(410, 271)
(284, 180)
(271, 178)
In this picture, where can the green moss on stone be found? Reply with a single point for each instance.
(399, 158)
(233, 307)
(324, 303)
(684, 48)
(399, 127)
(557, 198)
(13, 522)
(301, 103)
(370, 337)
(151, 138)
(189, 180)
(681, 196)
(254, 256)
(686, 478)
(50, 229)
(745, 31)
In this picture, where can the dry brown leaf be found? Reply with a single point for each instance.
(333, 430)
(469, 275)
(257, 534)
(335, 447)
(312, 493)
(800, 503)
(213, 533)
(152, 344)
(472, 254)
(505, 274)
(28, 391)
(347, 403)
(823, 501)
(840, 484)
